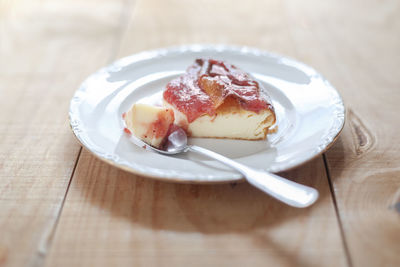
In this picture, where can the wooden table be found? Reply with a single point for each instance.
(60, 206)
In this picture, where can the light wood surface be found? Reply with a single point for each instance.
(47, 49)
(112, 217)
(60, 206)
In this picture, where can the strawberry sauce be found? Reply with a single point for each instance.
(206, 84)
(159, 128)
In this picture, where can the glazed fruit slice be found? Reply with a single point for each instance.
(217, 99)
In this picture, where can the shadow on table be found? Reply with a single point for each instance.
(210, 209)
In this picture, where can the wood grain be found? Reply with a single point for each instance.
(114, 218)
(358, 44)
(367, 179)
(255, 23)
(47, 48)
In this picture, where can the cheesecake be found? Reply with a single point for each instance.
(215, 99)
(212, 99)
(149, 123)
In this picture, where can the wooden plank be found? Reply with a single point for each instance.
(360, 44)
(364, 163)
(114, 218)
(46, 49)
(255, 23)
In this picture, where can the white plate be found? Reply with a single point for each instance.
(310, 113)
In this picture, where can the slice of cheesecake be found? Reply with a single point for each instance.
(149, 123)
(218, 100)
(229, 121)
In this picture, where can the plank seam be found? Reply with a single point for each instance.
(54, 228)
(124, 22)
(339, 219)
(49, 240)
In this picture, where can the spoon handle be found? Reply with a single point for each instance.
(289, 192)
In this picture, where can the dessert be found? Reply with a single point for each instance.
(213, 99)
(149, 123)
(216, 99)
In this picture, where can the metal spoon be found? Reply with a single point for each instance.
(287, 191)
